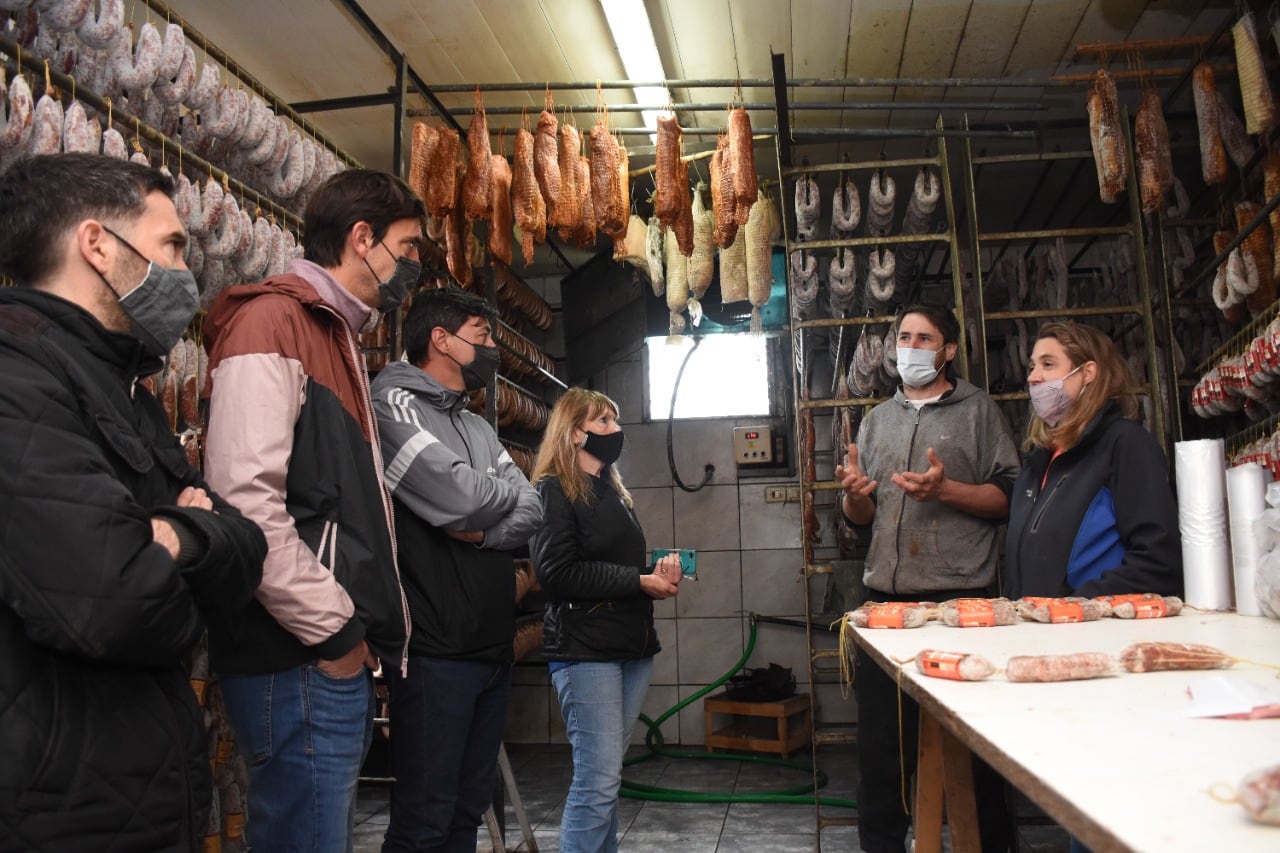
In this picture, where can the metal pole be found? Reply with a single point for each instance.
(957, 286)
(832, 106)
(970, 189)
(758, 83)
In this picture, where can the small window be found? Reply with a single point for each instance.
(727, 376)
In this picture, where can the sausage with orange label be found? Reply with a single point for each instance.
(894, 614)
(978, 612)
(957, 666)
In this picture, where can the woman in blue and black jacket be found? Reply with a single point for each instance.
(1092, 512)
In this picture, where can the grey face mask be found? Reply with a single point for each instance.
(162, 304)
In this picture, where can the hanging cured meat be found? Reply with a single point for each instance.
(918, 220)
(723, 195)
(1213, 155)
(846, 207)
(1257, 249)
(477, 190)
(702, 261)
(457, 230)
(882, 198)
(546, 162)
(807, 207)
(500, 220)
(653, 256)
(442, 175)
(1107, 137)
(684, 222)
(526, 197)
(623, 187)
(670, 173)
(677, 278)
(425, 141)
(585, 234)
(759, 260)
(742, 160)
(606, 194)
(1240, 147)
(1270, 188)
(733, 269)
(1255, 91)
(567, 215)
(1151, 141)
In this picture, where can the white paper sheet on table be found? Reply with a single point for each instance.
(1224, 696)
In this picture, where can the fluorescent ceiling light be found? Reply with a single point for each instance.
(633, 34)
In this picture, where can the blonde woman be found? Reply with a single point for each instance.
(591, 560)
(1092, 511)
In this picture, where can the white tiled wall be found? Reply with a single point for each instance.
(749, 561)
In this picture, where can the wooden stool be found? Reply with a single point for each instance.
(781, 726)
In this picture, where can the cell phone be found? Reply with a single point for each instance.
(688, 560)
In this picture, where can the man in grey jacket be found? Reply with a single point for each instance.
(931, 474)
(461, 505)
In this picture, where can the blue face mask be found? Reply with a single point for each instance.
(162, 304)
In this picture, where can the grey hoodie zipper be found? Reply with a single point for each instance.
(897, 550)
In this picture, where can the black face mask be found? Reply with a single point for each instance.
(607, 448)
(395, 290)
(477, 373)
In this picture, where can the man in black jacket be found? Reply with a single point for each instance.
(112, 548)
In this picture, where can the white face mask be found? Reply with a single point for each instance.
(916, 366)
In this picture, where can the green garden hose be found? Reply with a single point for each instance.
(795, 795)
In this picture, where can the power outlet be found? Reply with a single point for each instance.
(781, 494)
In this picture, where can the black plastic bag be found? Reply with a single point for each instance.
(761, 684)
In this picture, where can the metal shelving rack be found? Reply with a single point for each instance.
(823, 661)
(1143, 310)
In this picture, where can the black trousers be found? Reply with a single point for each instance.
(887, 746)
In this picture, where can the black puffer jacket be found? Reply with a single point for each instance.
(102, 745)
(589, 558)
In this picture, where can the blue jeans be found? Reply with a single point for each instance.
(304, 735)
(447, 719)
(600, 702)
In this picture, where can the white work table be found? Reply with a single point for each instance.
(1114, 760)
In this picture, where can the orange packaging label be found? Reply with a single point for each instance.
(234, 825)
(976, 613)
(1036, 600)
(884, 617)
(943, 664)
(1146, 605)
(1152, 608)
(226, 749)
(1065, 611)
(213, 844)
(199, 686)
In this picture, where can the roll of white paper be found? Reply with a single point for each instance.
(1246, 499)
(1200, 468)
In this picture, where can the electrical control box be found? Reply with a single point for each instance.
(758, 446)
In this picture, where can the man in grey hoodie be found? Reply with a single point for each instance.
(461, 505)
(930, 474)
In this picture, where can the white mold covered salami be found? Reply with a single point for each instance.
(1259, 793)
(1073, 667)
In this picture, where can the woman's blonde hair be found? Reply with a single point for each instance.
(558, 453)
(1112, 382)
